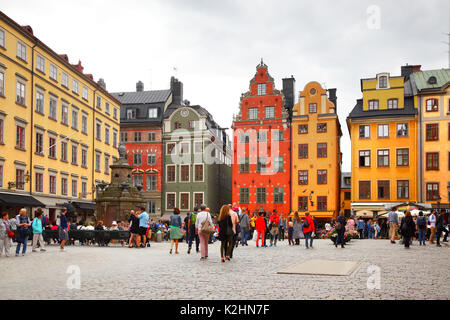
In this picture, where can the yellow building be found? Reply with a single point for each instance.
(432, 91)
(316, 155)
(383, 131)
(58, 127)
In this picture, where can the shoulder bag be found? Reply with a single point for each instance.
(207, 228)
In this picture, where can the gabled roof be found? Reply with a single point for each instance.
(421, 79)
(142, 97)
(358, 111)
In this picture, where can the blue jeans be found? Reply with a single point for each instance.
(197, 240)
(24, 249)
(340, 238)
(244, 235)
(422, 236)
(308, 235)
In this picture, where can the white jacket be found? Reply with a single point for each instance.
(202, 216)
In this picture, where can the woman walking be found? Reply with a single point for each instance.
(408, 228)
(203, 217)
(225, 232)
(5, 229)
(37, 231)
(175, 233)
(297, 228)
(260, 229)
(23, 223)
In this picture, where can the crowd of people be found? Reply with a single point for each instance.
(233, 225)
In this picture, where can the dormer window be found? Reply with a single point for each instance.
(131, 114)
(382, 82)
(432, 80)
(152, 113)
(261, 89)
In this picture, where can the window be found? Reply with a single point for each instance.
(302, 203)
(321, 150)
(382, 82)
(184, 148)
(373, 104)
(364, 190)
(64, 186)
(432, 132)
(99, 102)
(2, 128)
(106, 164)
(402, 130)
(150, 180)
(137, 180)
(74, 155)
(364, 132)
(75, 86)
(64, 151)
(383, 158)
(84, 124)
(244, 195)
(52, 147)
(198, 199)
(40, 63)
(184, 201)
(364, 159)
(83, 190)
(2, 38)
(131, 114)
(322, 203)
(184, 173)
(115, 113)
(384, 190)
(170, 201)
(253, 113)
(52, 185)
(302, 177)
(383, 131)
(98, 126)
(2, 83)
(278, 164)
(53, 72)
(107, 107)
(97, 162)
(52, 109)
(171, 173)
(151, 136)
(402, 189)
(152, 207)
(261, 136)
(151, 159)
(432, 105)
(245, 137)
(39, 143)
(177, 125)
(39, 102)
(20, 93)
(107, 135)
(21, 51)
(20, 137)
(302, 128)
(198, 172)
(20, 179)
(85, 93)
(171, 148)
(75, 119)
(198, 146)
(65, 80)
(432, 191)
(244, 165)
(137, 159)
(278, 193)
(270, 112)
(153, 112)
(260, 195)
(321, 127)
(347, 195)
(302, 151)
(313, 108)
(65, 114)
(277, 135)
(403, 157)
(84, 158)
(39, 182)
(321, 176)
(261, 89)
(124, 136)
(74, 188)
(392, 103)
(432, 160)
(261, 164)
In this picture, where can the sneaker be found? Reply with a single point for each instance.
(34, 250)
(43, 250)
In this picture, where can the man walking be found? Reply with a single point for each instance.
(393, 225)
(274, 230)
(440, 227)
(361, 228)
(63, 229)
(244, 224)
(192, 234)
(432, 224)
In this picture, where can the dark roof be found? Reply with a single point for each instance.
(84, 205)
(20, 200)
(358, 112)
(343, 184)
(142, 97)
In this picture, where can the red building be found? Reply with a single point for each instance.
(261, 140)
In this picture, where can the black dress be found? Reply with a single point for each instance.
(225, 228)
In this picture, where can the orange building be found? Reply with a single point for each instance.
(316, 154)
(346, 193)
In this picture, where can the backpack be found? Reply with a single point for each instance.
(421, 222)
(193, 219)
(306, 224)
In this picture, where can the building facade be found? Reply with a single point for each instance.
(316, 154)
(261, 155)
(383, 131)
(346, 193)
(197, 158)
(58, 127)
(141, 116)
(431, 89)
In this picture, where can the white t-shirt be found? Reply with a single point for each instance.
(432, 220)
(202, 216)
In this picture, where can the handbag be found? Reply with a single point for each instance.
(207, 227)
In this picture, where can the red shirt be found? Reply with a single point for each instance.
(311, 226)
(260, 224)
(275, 219)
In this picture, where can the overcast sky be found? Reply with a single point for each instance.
(216, 45)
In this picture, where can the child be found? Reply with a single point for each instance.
(290, 232)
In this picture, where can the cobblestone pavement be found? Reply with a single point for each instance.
(152, 273)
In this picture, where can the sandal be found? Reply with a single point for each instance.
(170, 251)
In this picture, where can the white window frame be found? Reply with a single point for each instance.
(174, 202)
(21, 50)
(85, 94)
(39, 103)
(167, 176)
(53, 115)
(189, 201)
(75, 118)
(203, 146)
(383, 126)
(53, 72)
(65, 79)
(2, 38)
(189, 178)
(193, 197)
(84, 123)
(75, 86)
(21, 91)
(151, 111)
(40, 63)
(261, 88)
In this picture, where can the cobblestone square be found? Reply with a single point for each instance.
(152, 273)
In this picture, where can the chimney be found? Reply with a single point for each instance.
(139, 86)
(101, 83)
(177, 90)
(407, 70)
(332, 97)
(289, 94)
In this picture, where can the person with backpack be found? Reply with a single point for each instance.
(260, 226)
(432, 224)
(36, 225)
(274, 228)
(23, 223)
(244, 225)
(308, 229)
(408, 228)
(192, 234)
(421, 227)
(340, 228)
